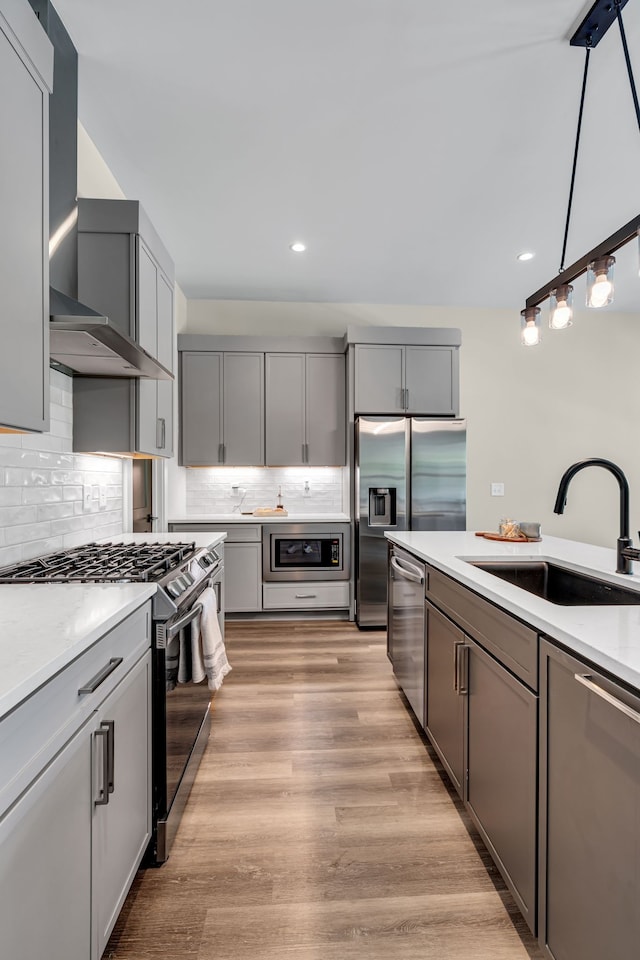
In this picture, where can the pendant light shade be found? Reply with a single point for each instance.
(600, 282)
(561, 307)
(530, 326)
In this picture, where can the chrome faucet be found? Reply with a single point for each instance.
(625, 552)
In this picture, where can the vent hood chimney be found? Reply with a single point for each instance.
(82, 341)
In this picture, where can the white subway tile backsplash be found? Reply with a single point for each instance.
(41, 487)
(209, 491)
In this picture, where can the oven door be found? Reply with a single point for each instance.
(305, 552)
(181, 722)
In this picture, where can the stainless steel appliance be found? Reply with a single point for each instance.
(405, 637)
(180, 712)
(410, 475)
(305, 551)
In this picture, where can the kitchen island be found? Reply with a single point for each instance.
(534, 709)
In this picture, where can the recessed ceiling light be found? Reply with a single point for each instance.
(298, 247)
(526, 255)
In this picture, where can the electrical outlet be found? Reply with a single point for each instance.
(307, 489)
(86, 496)
(95, 498)
(102, 499)
(497, 489)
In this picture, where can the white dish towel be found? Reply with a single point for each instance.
(208, 654)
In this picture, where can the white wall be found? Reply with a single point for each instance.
(531, 412)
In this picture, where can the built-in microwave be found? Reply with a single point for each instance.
(305, 551)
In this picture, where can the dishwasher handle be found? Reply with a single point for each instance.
(409, 571)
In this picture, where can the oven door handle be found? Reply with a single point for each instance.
(180, 624)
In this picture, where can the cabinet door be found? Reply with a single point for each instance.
(325, 410)
(122, 827)
(502, 771)
(242, 577)
(24, 258)
(379, 378)
(285, 409)
(446, 701)
(431, 381)
(243, 409)
(200, 409)
(45, 862)
(166, 345)
(590, 805)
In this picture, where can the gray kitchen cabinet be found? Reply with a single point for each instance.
(26, 80)
(445, 693)
(221, 408)
(242, 576)
(483, 723)
(305, 409)
(45, 850)
(590, 812)
(406, 379)
(75, 798)
(125, 272)
(121, 828)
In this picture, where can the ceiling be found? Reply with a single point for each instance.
(415, 146)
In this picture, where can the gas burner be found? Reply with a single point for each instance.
(96, 562)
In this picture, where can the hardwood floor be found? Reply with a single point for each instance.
(320, 826)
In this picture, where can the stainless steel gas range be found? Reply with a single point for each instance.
(180, 711)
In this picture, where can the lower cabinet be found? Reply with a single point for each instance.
(482, 722)
(242, 576)
(76, 813)
(45, 852)
(121, 825)
(590, 806)
(306, 595)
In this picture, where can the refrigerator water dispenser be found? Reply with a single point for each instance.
(382, 506)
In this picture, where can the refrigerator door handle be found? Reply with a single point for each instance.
(407, 570)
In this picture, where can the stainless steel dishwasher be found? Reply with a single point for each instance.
(405, 625)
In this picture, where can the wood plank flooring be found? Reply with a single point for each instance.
(320, 825)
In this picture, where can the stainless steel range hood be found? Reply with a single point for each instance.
(83, 341)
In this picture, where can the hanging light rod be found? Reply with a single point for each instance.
(610, 245)
(596, 23)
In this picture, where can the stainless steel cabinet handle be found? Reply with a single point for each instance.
(161, 433)
(406, 398)
(224, 453)
(407, 570)
(101, 676)
(220, 453)
(110, 726)
(306, 453)
(458, 644)
(103, 799)
(586, 681)
(306, 596)
(303, 459)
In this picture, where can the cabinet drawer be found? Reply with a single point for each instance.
(305, 596)
(39, 727)
(508, 639)
(242, 533)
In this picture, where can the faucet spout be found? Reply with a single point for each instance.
(624, 548)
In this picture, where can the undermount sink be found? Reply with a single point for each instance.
(558, 584)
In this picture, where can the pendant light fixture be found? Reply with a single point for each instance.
(598, 263)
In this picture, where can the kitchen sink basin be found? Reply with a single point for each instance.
(558, 584)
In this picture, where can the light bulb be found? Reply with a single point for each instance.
(600, 291)
(561, 316)
(530, 334)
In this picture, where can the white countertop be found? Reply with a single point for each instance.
(227, 518)
(609, 636)
(43, 627)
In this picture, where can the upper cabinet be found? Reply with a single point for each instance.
(26, 80)
(305, 409)
(125, 272)
(416, 377)
(253, 401)
(221, 408)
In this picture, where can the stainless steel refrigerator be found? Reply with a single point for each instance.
(410, 475)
